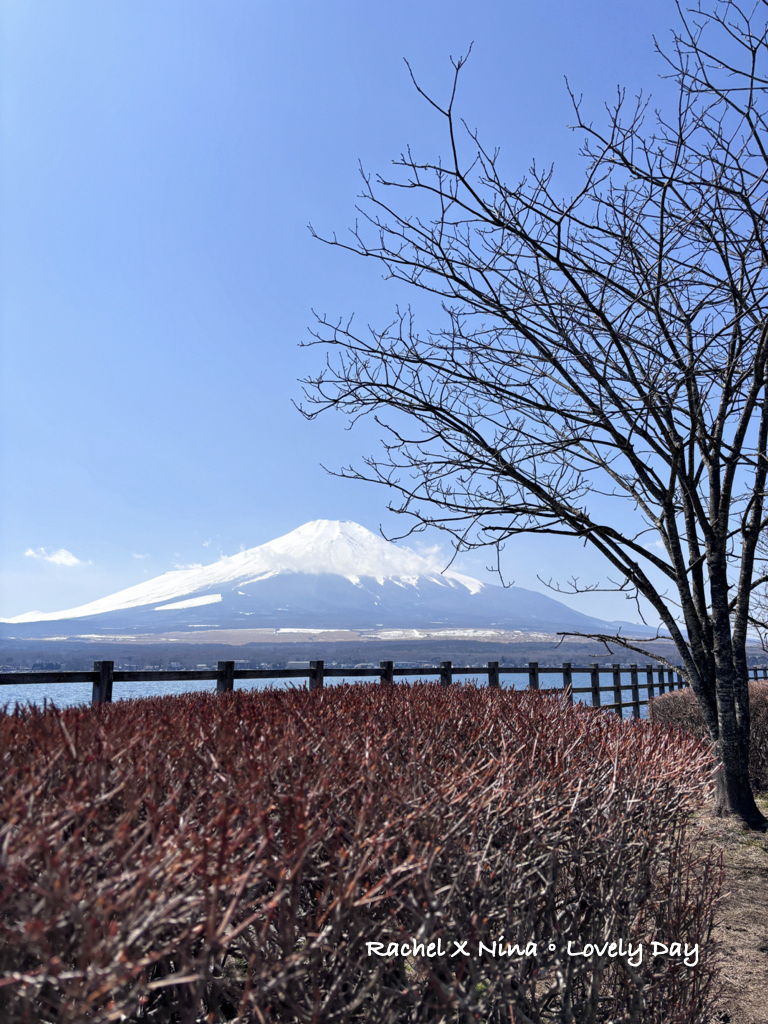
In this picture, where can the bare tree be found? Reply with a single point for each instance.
(611, 344)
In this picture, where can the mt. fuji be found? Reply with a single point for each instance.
(325, 575)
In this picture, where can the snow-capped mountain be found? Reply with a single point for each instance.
(325, 574)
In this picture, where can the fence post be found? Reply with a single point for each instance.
(387, 677)
(662, 688)
(446, 673)
(102, 687)
(635, 691)
(493, 674)
(649, 681)
(670, 680)
(225, 677)
(533, 675)
(316, 673)
(618, 704)
(568, 682)
(594, 678)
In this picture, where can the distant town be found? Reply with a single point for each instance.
(64, 656)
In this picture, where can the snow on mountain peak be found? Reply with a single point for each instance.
(343, 548)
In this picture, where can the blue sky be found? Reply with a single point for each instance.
(160, 164)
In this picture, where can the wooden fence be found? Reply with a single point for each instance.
(651, 679)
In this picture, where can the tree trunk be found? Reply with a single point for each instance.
(733, 789)
(734, 797)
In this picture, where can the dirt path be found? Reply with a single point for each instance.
(741, 931)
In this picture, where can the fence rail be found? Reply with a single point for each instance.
(650, 678)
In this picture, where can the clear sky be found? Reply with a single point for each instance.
(161, 160)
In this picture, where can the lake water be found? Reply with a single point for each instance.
(65, 695)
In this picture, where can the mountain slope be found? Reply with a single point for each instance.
(325, 574)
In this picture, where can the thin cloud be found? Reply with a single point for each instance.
(655, 544)
(194, 565)
(139, 556)
(60, 557)
(432, 551)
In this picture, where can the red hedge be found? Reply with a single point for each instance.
(230, 857)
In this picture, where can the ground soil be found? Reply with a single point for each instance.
(741, 929)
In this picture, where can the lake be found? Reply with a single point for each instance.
(65, 695)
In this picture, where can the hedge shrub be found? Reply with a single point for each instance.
(681, 710)
(230, 857)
